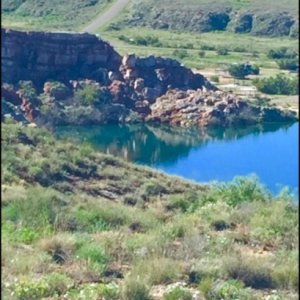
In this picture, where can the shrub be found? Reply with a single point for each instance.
(238, 71)
(282, 52)
(31, 290)
(27, 89)
(92, 253)
(135, 289)
(280, 84)
(58, 283)
(180, 53)
(201, 53)
(207, 47)
(92, 95)
(157, 270)
(225, 290)
(178, 294)
(288, 64)
(222, 51)
(214, 78)
(243, 189)
(90, 221)
(253, 272)
(109, 291)
(255, 70)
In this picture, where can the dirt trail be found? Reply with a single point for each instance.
(107, 16)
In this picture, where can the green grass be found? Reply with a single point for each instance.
(81, 245)
(171, 40)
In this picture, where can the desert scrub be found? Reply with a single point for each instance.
(134, 288)
(157, 270)
(178, 294)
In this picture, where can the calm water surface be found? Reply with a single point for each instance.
(269, 151)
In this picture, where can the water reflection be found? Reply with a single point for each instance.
(154, 145)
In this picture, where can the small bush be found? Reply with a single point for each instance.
(207, 47)
(178, 294)
(180, 53)
(281, 53)
(31, 290)
(27, 89)
(280, 84)
(243, 189)
(238, 71)
(288, 64)
(92, 95)
(201, 54)
(58, 283)
(222, 51)
(253, 272)
(92, 253)
(214, 78)
(157, 270)
(135, 289)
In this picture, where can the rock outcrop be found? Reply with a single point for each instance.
(41, 56)
(211, 108)
(126, 89)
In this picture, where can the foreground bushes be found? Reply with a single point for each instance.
(280, 84)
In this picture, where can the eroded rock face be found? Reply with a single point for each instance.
(133, 88)
(41, 56)
(211, 108)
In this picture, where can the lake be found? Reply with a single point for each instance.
(269, 151)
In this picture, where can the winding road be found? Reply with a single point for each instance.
(107, 16)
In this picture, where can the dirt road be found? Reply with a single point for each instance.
(105, 17)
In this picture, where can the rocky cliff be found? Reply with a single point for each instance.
(41, 56)
(54, 67)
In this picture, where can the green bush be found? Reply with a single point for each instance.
(280, 84)
(92, 253)
(180, 53)
(27, 89)
(243, 189)
(214, 78)
(282, 52)
(92, 95)
(201, 54)
(253, 272)
(222, 51)
(31, 290)
(178, 294)
(238, 71)
(135, 289)
(288, 64)
(207, 47)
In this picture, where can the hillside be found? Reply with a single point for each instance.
(50, 15)
(77, 224)
(268, 18)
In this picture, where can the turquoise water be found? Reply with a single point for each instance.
(269, 151)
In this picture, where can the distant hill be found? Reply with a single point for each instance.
(269, 18)
(49, 15)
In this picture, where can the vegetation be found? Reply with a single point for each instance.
(37, 14)
(69, 230)
(280, 84)
(254, 17)
(242, 70)
(92, 95)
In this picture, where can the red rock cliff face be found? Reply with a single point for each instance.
(41, 56)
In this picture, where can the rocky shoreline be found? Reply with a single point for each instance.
(78, 79)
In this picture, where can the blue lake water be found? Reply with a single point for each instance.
(269, 151)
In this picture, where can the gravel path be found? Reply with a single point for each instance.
(107, 16)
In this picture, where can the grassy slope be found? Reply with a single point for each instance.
(51, 15)
(88, 225)
(241, 47)
(290, 6)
